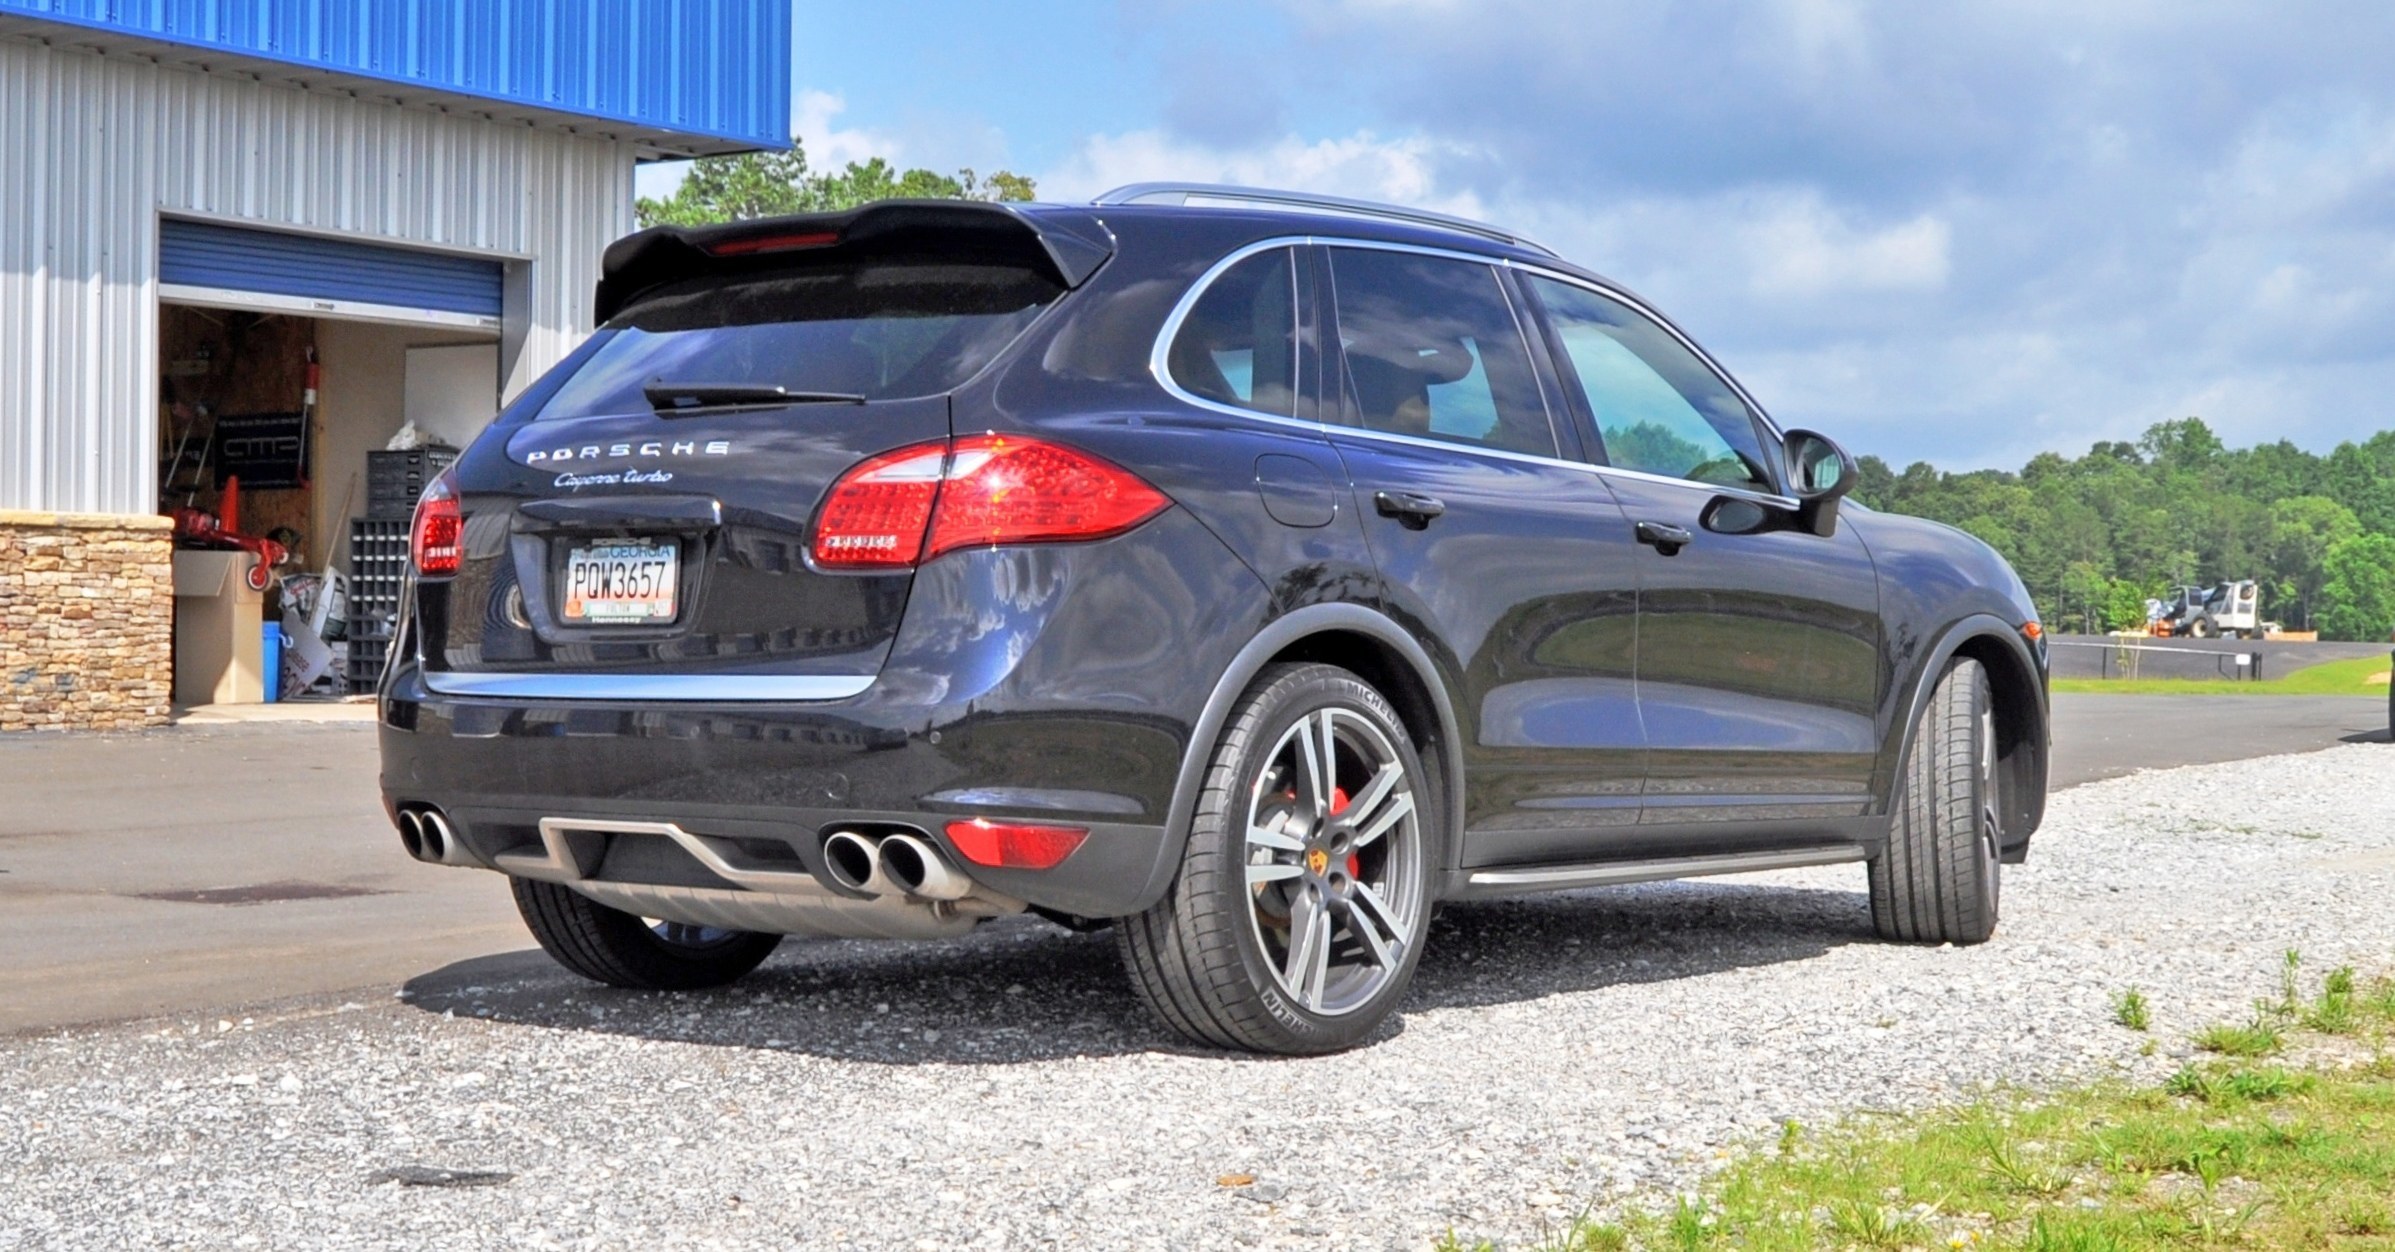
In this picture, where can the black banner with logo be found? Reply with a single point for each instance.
(263, 449)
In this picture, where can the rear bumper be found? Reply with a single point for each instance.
(1055, 684)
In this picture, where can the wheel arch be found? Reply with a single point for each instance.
(2023, 736)
(1352, 637)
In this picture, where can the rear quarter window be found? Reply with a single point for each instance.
(872, 328)
(1238, 344)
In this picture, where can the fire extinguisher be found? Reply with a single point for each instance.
(307, 412)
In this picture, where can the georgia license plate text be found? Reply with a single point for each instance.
(620, 583)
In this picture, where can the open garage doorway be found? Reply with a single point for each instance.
(279, 427)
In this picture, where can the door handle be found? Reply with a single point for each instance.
(1663, 537)
(1412, 509)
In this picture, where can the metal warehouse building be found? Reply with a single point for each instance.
(257, 237)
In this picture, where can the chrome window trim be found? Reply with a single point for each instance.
(1159, 367)
(672, 688)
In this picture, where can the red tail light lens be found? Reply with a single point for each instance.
(1007, 489)
(435, 539)
(877, 513)
(918, 502)
(1014, 845)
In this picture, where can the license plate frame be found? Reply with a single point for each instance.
(608, 583)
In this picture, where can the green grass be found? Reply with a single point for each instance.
(2228, 1153)
(2129, 1009)
(2329, 678)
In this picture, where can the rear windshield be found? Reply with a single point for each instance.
(872, 328)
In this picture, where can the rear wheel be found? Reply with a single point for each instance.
(1938, 880)
(2201, 628)
(1304, 893)
(614, 947)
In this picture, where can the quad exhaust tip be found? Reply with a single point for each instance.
(428, 837)
(918, 869)
(892, 865)
(854, 862)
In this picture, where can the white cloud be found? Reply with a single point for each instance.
(829, 146)
(813, 119)
(1803, 249)
(1361, 165)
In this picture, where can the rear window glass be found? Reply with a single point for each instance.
(1433, 351)
(876, 329)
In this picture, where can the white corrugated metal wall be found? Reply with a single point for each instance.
(93, 148)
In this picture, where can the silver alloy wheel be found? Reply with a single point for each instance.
(1334, 861)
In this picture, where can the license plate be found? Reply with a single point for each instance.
(622, 583)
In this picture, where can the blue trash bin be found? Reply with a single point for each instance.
(272, 660)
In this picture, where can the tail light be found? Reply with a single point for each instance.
(1014, 845)
(913, 504)
(435, 537)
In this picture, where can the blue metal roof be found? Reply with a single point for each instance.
(711, 69)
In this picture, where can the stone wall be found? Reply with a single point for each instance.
(87, 621)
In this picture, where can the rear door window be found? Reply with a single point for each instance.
(1434, 351)
(1658, 407)
(1238, 344)
(869, 328)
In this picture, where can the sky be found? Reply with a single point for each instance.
(1959, 232)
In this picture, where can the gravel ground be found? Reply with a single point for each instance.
(1004, 1091)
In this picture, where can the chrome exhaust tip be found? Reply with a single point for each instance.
(436, 836)
(411, 833)
(441, 841)
(854, 861)
(917, 868)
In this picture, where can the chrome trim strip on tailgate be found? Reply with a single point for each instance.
(680, 688)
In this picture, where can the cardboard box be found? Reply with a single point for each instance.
(219, 630)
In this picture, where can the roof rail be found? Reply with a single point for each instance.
(1226, 193)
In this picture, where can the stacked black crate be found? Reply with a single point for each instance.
(377, 575)
(378, 554)
(395, 479)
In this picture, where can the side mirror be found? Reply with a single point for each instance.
(1819, 475)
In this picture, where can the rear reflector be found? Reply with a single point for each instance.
(918, 502)
(435, 534)
(1014, 845)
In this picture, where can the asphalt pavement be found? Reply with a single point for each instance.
(202, 868)
(2106, 736)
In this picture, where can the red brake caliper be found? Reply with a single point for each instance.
(1355, 864)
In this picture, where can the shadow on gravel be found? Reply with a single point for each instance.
(1023, 990)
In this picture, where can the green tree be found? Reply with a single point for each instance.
(2086, 594)
(2302, 530)
(2125, 604)
(2126, 521)
(2184, 444)
(770, 184)
(2358, 600)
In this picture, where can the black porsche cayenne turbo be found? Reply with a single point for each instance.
(1250, 571)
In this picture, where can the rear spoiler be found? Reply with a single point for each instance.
(1070, 244)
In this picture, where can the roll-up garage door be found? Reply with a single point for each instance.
(207, 263)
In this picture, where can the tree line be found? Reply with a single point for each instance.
(770, 184)
(2098, 536)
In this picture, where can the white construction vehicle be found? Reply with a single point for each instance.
(2231, 608)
